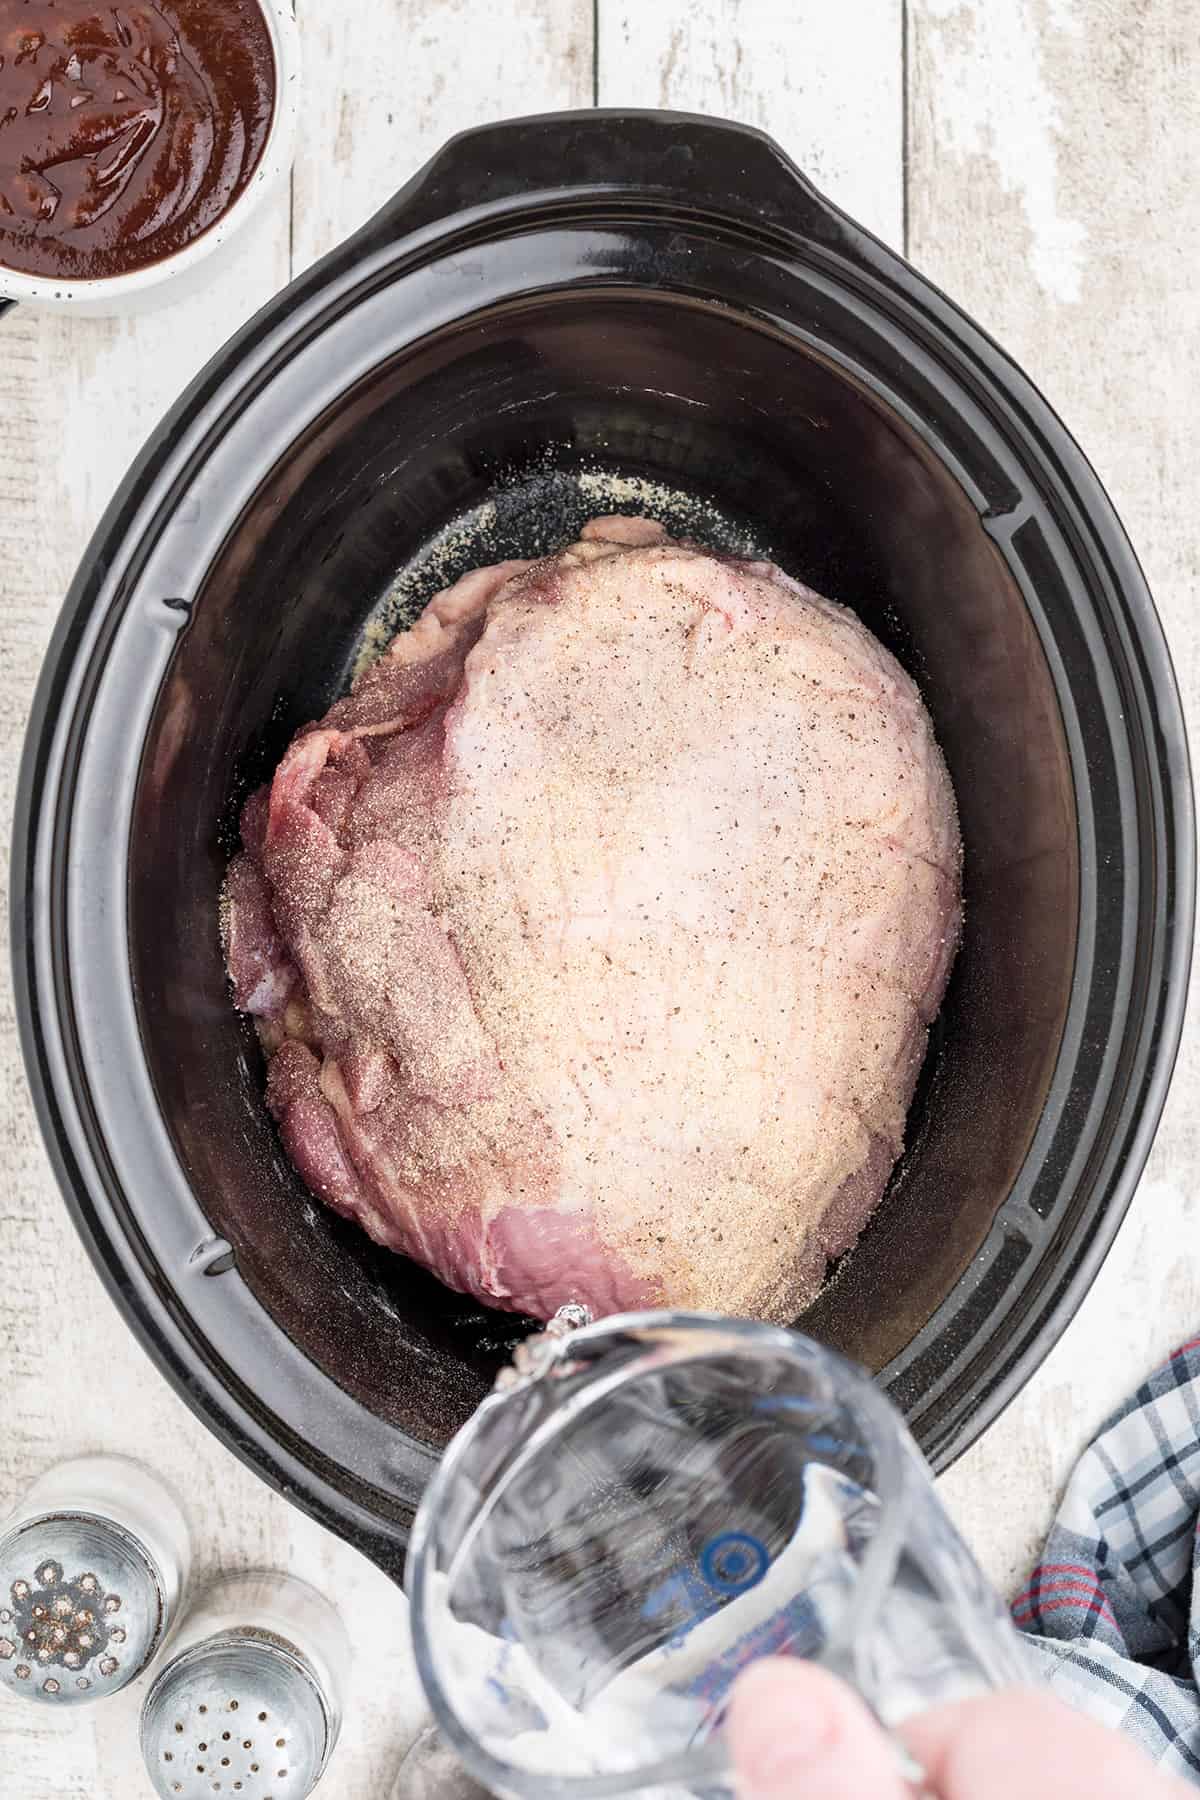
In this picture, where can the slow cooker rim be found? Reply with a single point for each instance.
(1169, 768)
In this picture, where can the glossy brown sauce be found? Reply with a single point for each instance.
(125, 131)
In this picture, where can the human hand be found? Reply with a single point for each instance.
(798, 1733)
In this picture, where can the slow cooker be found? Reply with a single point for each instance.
(664, 302)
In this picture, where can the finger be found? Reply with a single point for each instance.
(1026, 1742)
(795, 1730)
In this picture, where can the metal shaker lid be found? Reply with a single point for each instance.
(239, 1714)
(82, 1608)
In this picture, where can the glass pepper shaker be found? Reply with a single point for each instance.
(92, 1566)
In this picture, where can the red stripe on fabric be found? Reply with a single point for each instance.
(1092, 1590)
(1056, 1605)
(1054, 1581)
(1193, 1344)
(1043, 1569)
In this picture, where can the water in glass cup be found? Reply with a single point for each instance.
(662, 1499)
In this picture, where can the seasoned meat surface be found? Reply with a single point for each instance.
(594, 937)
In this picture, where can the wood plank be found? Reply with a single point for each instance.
(392, 94)
(1049, 196)
(826, 81)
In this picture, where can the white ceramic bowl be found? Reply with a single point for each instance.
(172, 276)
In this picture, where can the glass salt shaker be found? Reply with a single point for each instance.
(92, 1566)
(251, 1700)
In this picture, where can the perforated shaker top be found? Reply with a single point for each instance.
(81, 1609)
(239, 1715)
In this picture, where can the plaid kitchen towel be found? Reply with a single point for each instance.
(1113, 1607)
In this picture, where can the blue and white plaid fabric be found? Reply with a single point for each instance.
(1113, 1608)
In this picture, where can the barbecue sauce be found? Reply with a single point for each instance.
(125, 130)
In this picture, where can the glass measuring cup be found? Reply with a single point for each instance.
(654, 1502)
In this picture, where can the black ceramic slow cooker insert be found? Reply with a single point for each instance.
(646, 296)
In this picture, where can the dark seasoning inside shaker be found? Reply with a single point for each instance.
(82, 1609)
(126, 132)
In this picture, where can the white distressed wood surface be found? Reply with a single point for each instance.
(827, 81)
(1033, 154)
(1050, 193)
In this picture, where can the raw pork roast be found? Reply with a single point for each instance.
(594, 937)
